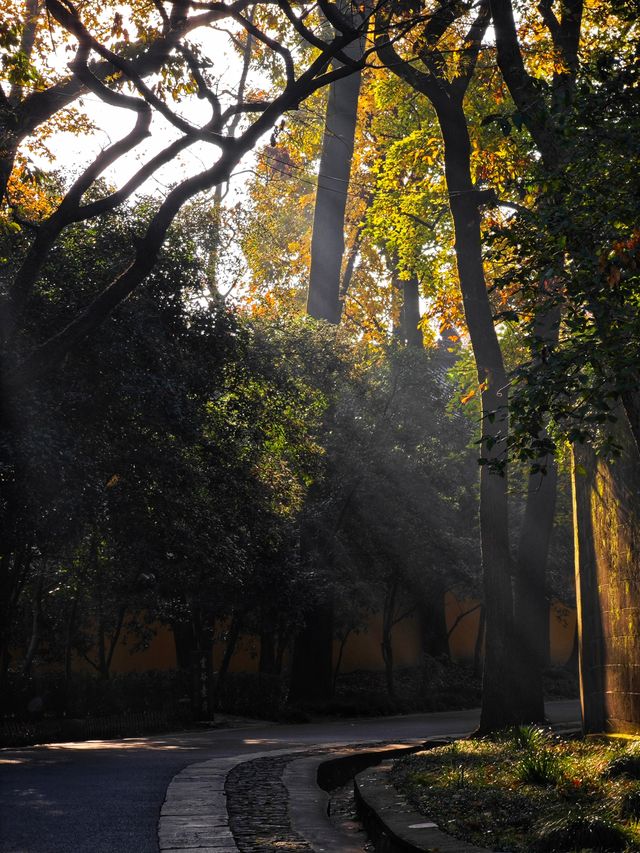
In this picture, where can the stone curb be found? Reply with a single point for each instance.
(308, 780)
(393, 825)
(194, 818)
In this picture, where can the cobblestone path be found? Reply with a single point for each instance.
(257, 806)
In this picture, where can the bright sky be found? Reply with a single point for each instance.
(74, 152)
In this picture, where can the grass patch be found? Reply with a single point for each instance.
(527, 791)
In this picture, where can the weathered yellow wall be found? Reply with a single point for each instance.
(363, 650)
(462, 642)
(607, 512)
(160, 654)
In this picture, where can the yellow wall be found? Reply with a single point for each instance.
(160, 654)
(362, 651)
(562, 626)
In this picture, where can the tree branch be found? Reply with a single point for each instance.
(525, 91)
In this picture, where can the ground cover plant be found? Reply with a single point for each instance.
(527, 791)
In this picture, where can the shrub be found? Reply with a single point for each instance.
(252, 694)
(86, 695)
(540, 767)
(577, 832)
(627, 764)
(630, 805)
(530, 738)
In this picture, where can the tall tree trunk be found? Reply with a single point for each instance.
(230, 647)
(35, 625)
(479, 644)
(592, 655)
(501, 703)
(432, 620)
(411, 312)
(531, 603)
(343, 644)
(68, 650)
(501, 681)
(267, 662)
(312, 659)
(327, 238)
(115, 637)
(311, 667)
(407, 293)
(387, 626)
(183, 639)
(14, 572)
(311, 672)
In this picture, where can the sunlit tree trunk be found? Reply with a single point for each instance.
(327, 238)
(502, 701)
(500, 694)
(407, 293)
(311, 673)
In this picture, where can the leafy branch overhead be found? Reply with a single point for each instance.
(116, 74)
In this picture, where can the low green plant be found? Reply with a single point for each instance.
(529, 737)
(540, 767)
(579, 832)
(626, 764)
(630, 805)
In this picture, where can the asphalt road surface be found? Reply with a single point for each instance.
(105, 796)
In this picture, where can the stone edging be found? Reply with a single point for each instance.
(393, 825)
(308, 781)
(193, 817)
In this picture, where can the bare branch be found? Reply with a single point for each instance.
(275, 46)
(473, 42)
(75, 26)
(47, 355)
(525, 91)
(204, 92)
(545, 7)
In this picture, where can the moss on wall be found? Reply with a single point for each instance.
(607, 528)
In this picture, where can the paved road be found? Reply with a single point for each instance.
(105, 796)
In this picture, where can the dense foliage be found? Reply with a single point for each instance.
(172, 455)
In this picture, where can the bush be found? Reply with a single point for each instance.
(531, 738)
(630, 805)
(577, 832)
(627, 764)
(252, 694)
(540, 767)
(85, 695)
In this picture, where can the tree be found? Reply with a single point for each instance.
(500, 703)
(170, 479)
(327, 239)
(232, 130)
(579, 242)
